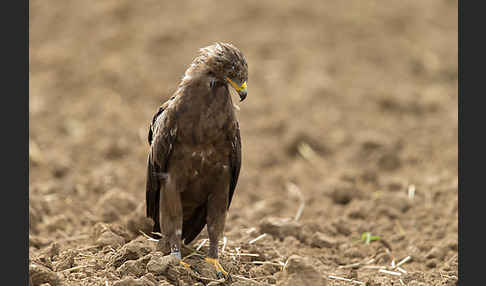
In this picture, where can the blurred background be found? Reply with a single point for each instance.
(352, 102)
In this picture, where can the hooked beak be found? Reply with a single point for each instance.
(241, 89)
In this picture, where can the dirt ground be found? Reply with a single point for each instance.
(350, 127)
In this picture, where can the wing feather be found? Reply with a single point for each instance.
(235, 162)
(154, 119)
(160, 138)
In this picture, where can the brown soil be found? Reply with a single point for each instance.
(352, 104)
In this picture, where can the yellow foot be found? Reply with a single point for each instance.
(217, 265)
(185, 264)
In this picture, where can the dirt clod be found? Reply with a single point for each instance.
(133, 250)
(104, 236)
(301, 271)
(389, 162)
(137, 220)
(413, 277)
(52, 250)
(436, 252)
(396, 201)
(40, 274)
(432, 263)
(321, 240)
(134, 268)
(342, 227)
(159, 263)
(114, 204)
(38, 241)
(281, 227)
(131, 281)
(66, 260)
(344, 192)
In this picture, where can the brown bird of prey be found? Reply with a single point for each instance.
(195, 151)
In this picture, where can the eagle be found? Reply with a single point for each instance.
(194, 158)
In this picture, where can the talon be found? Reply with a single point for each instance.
(217, 265)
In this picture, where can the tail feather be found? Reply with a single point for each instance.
(153, 195)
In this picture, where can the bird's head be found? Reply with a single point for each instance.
(227, 63)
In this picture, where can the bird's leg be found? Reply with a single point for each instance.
(171, 215)
(215, 220)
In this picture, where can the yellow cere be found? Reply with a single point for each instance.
(235, 86)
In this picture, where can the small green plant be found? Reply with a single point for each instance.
(366, 237)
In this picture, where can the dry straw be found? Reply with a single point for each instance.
(257, 239)
(295, 190)
(346, 279)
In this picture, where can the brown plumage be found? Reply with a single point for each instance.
(195, 150)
